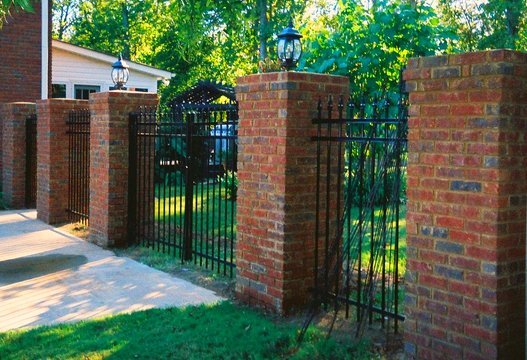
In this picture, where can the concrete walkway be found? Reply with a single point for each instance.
(48, 276)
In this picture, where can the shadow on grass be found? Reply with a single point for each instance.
(221, 331)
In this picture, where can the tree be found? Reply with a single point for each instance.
(372, 44)
(485, 25)
(115, 27)
(7, 6)
(196, 40)
(65, 13)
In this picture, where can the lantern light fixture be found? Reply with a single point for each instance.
(289, 47)
(120, 73)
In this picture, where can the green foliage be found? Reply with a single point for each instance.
(229, 181)
(195, 40)
(220, 331)
(8, 6)
(221, 41)
(371, 45)
(482, 25)
(116, 27)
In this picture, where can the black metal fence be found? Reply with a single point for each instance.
(79, 166)
(31, 161)
(361, 164)
(183, 183)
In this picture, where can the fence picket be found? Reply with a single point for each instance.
(79, 166)
(184, 164)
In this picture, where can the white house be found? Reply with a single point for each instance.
(78, 71)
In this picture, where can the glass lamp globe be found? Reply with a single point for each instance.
(120, 73)
(289, 47)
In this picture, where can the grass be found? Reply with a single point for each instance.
(214, 223)
(189, 271)
(213, 213)
(366, 242)
(221, 331)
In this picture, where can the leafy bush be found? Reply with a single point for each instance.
(230, 183)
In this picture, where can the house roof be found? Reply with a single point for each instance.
(96, 55)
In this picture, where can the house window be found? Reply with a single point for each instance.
(141, 89)
(58, 91)
(82, 92)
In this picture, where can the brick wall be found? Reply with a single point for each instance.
(52, 157)
(109, 129)
(20, 46)
(1, 142)
(13, 123)
(277, 182)
(467, 185)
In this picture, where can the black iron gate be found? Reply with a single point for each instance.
(183, 183)
(79, 166)
(361, 164)
(31, 161)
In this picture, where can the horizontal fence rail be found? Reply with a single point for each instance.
(183, 182)
(79, 166)
(361, 152)
(31, 161)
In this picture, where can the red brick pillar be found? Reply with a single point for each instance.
(109, 129)
(13, 117)
(277, 183)
(21, 49)
(52, 158)
(2, 117)
(467, 186)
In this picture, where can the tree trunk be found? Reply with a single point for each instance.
(126, 27)
(263, 29)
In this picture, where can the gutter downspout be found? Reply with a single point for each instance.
(45, 49)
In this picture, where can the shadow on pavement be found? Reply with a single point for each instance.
(25, 268)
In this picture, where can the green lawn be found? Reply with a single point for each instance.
(213, 212)
(365, 249)
(221, 331)
(389, 254)
(214, 223)
(215, 217)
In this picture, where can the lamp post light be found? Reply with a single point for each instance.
(289, 47)
(120, 73)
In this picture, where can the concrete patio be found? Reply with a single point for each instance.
(48, 276)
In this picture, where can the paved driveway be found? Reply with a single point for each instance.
(48, 276)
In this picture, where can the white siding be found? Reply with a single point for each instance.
(73, 69)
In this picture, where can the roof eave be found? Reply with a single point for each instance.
(96, 55)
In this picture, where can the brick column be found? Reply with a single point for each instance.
(109, 130)
(13, 117)
(467, 186)
(2, 117)
(21, 80)
(52, 157)
(276, 195)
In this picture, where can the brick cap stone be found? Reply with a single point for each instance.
(122, 93)
(475, 57)
(62, 101)
(291, 76)
(20, 103)
(14, 105)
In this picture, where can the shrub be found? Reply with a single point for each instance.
(230, 182)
